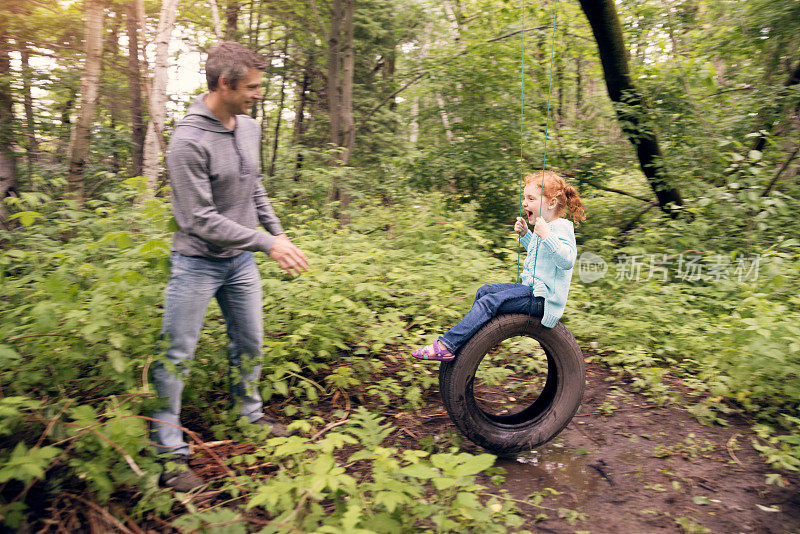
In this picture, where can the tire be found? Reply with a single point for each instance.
(535, 425)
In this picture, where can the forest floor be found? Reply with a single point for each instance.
(623, 465)
(633, 467)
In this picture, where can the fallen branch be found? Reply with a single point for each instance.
(196, 438)
(730, 448)
(106, 515)
(329, 427)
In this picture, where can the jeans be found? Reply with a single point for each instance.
(490, 301)
(236, 284)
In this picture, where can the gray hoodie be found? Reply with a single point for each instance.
(217, 194)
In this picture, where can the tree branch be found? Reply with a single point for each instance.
(618, 191)
(423, 74)
(778, 173)
(630, 225)
(493, 39)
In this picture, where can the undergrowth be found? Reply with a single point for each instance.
(80, 306)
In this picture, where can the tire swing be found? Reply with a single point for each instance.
(534, 425)
(562, 391)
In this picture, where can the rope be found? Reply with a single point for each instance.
(546, 133)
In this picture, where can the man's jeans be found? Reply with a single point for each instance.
(236, 284)
(490, 301)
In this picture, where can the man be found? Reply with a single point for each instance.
(217, 200)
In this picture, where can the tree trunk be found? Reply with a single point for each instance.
(602, 16)
(348, 72)
(388, 76)
(90, 82)
(578, 86)
(281, 103)
(263, 148)
(157, 101)
(135, 89)
(348, 123)
(8, 160)
(769, 125)
(334, 87)
(62, 143)
(33, 143)
(413, 127)
(30, 120)
(445, 119)
(113, 60)
(215, 19)
(231, 19)
(299, 115)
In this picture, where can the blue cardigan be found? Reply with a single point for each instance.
(554, 263)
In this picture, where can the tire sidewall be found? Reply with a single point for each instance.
(456, 378)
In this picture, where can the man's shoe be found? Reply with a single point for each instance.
(180, 477)
(276, 428)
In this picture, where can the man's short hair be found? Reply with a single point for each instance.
(233, 61)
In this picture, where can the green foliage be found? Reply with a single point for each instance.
(80, 329)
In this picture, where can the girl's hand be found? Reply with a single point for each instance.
(521, 227)
(541, 228)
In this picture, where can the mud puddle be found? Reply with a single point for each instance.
(552, 466)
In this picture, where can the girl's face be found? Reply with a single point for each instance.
(532, 199)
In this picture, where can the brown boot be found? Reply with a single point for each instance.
(276, 428)
(179, 476)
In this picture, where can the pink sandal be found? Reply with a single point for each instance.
(436, 352)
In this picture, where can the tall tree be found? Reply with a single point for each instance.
(157, 101)
(30, 120)
(629, 104)
(8, 161)
(341, 68)
(300, 112)
(231, 19)
(348, 72)
(215, 19)
(281, 104)
(333, 88)
(81, 133)
(135, 88)
(773, 114)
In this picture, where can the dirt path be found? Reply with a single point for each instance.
(631, 467)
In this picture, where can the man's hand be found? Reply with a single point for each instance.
(521, 227)
(541, 228)
(290, 258)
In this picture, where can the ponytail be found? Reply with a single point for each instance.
(574, 204)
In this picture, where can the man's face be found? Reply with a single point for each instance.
(248, 90)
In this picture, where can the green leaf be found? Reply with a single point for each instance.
(468, 500)
(420, 470)
(8, 356)
(27, 217)
(26, 465)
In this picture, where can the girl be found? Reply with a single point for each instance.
(555, 241)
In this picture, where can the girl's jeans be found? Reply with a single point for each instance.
(236, 284)
(492, 300)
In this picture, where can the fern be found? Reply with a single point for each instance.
(368, 428)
